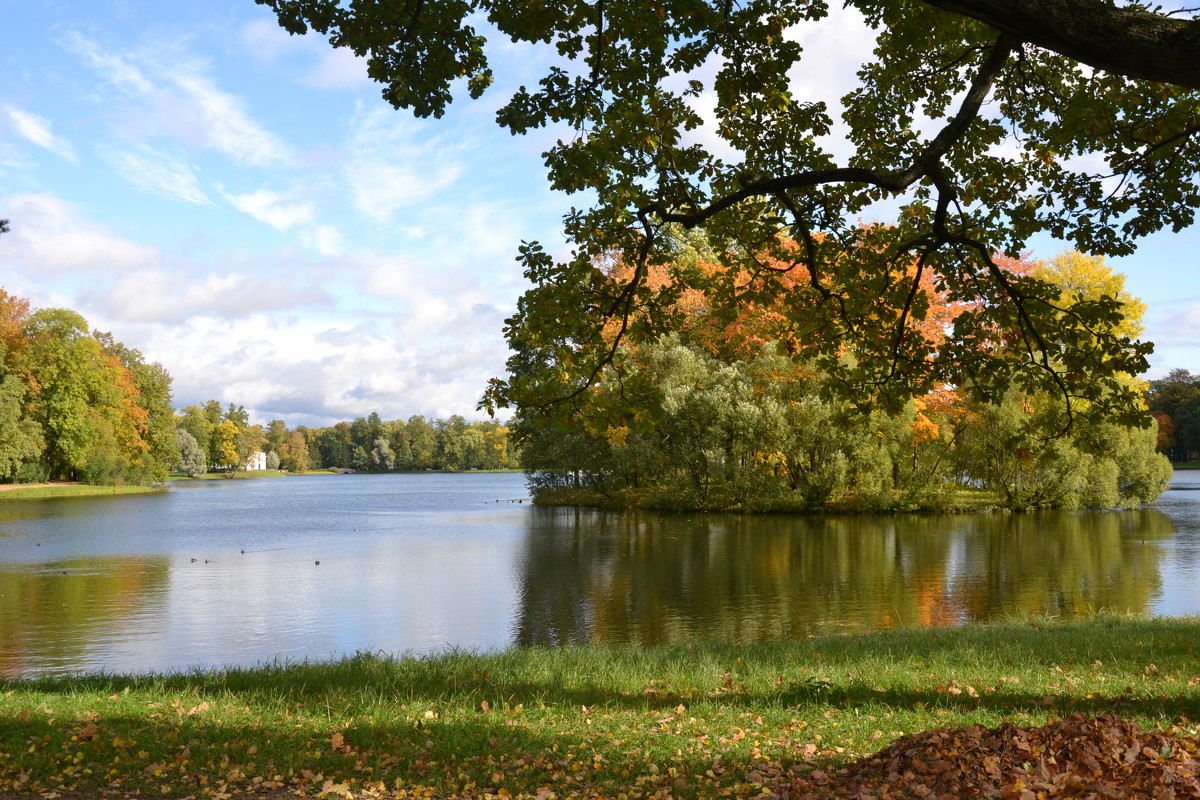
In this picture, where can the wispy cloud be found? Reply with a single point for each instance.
(114, 69)
(273, 208)
(331, 68)
(337, 69)
(159, 173)
(228, 128)
(392, 166)
(324, 239)
(186, 100)
(36, 129)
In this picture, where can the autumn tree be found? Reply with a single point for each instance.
(734, 411)
(75, 404)
(236, 441)
(293, 453)
(984, 122)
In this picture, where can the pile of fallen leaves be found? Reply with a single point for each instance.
(1100, 757)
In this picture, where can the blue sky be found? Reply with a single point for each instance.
(240, 205)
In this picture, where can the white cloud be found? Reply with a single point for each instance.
(113, 68)
(334, 68)
(316, 371)
(337, 68)
(324, 239)
(835, 48)
(228, 128)
(49, 237)
(1182, 323)
(159, 173)
(391, 167)
(158, 295)
(37, 130)
(188, 101)
(275, 209)
(266, 40)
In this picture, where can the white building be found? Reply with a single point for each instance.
(257, 460)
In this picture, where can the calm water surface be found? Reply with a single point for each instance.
(226, 572)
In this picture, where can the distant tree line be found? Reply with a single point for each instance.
(1175, 403)
(223, 438)
(78, 405)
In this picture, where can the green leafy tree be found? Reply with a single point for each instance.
(191, 456)
(277, 434)
(382, 457)
(197, 423)
(335, 446)
(422, 440)
(1167, 398)
(981, 120)
(20, 437)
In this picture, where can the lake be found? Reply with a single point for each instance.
(214, 573)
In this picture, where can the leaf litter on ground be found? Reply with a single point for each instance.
(1079, 756)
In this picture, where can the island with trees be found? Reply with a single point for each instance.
(726, 413)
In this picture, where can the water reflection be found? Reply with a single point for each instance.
(55, 615)
(227, 573)
(596, 577)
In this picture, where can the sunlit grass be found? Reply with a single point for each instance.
(72, 490)
(672, 721)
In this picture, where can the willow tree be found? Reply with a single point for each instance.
(984, 122)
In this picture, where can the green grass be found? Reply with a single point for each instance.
(73, 490)
(680, 721)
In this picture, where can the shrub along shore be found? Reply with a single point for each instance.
(681, 721)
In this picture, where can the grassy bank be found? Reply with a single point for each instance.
(658, 722)
(71, 490)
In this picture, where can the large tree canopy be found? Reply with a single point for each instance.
(977, 123)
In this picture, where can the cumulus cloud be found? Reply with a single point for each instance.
(393, 165)
(159, 173)
(158, 295)
(315, 372)
(36, 129)
(49, 237)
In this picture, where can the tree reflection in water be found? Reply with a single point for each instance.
(591, 577)
(53, 614)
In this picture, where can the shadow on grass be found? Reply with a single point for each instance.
(471, 723)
